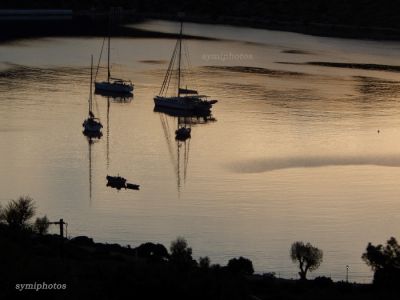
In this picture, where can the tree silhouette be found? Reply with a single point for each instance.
(241, 265)
(153, 252)
(42, 225)
(18, 212)
(378, 257)
(181, 254)
(385, 261)
(204, 262)
(308, 257)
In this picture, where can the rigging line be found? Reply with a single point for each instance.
(185, 68)
(179, 59)
(108, 134)
(90, 169)
(171, 71)
(98, 63)
(90, 86)
(172, 64)
(190, 71)
(184, 163)
(164, 124)
(187, 158)
(179, 168)
(97, 107)
(170, 75)
(109, 48)
(167, 73)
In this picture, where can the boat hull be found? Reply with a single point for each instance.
(182, 103)
(173, 102)
(113, 87)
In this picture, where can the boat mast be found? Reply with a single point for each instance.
(109, 42)
(91, 83)
(179, 60)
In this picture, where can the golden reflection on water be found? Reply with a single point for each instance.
(295, 153)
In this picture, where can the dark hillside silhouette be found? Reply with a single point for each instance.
(91, 270)
(364, 18)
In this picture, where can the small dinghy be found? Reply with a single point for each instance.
(119, 182)
(132, 186)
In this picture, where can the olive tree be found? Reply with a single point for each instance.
(307, 256)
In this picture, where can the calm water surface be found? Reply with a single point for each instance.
(293, 153)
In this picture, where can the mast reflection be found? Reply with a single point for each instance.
(91, 139)
(177, 127)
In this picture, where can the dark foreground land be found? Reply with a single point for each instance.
(109, 271)
(368, 19)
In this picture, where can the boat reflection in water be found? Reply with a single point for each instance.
(117, 182)
(179, 146)
(114, 96)
(117, 99)
(91, 139)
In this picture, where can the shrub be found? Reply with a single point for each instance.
(17, 213)
(241, 265)
(41, 225)
(181, 254)
(204, 262)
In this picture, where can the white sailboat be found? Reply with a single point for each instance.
(92, 125)
(113, 85)
(184, 99)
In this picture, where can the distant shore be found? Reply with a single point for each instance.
(34, 23)
(309, 28)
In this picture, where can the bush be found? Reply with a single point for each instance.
(385, 261)
(204, 262)
(241, 265)
(41, 225)
(181, 254)
(323, 281)
(17, 213)
(151, 251)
